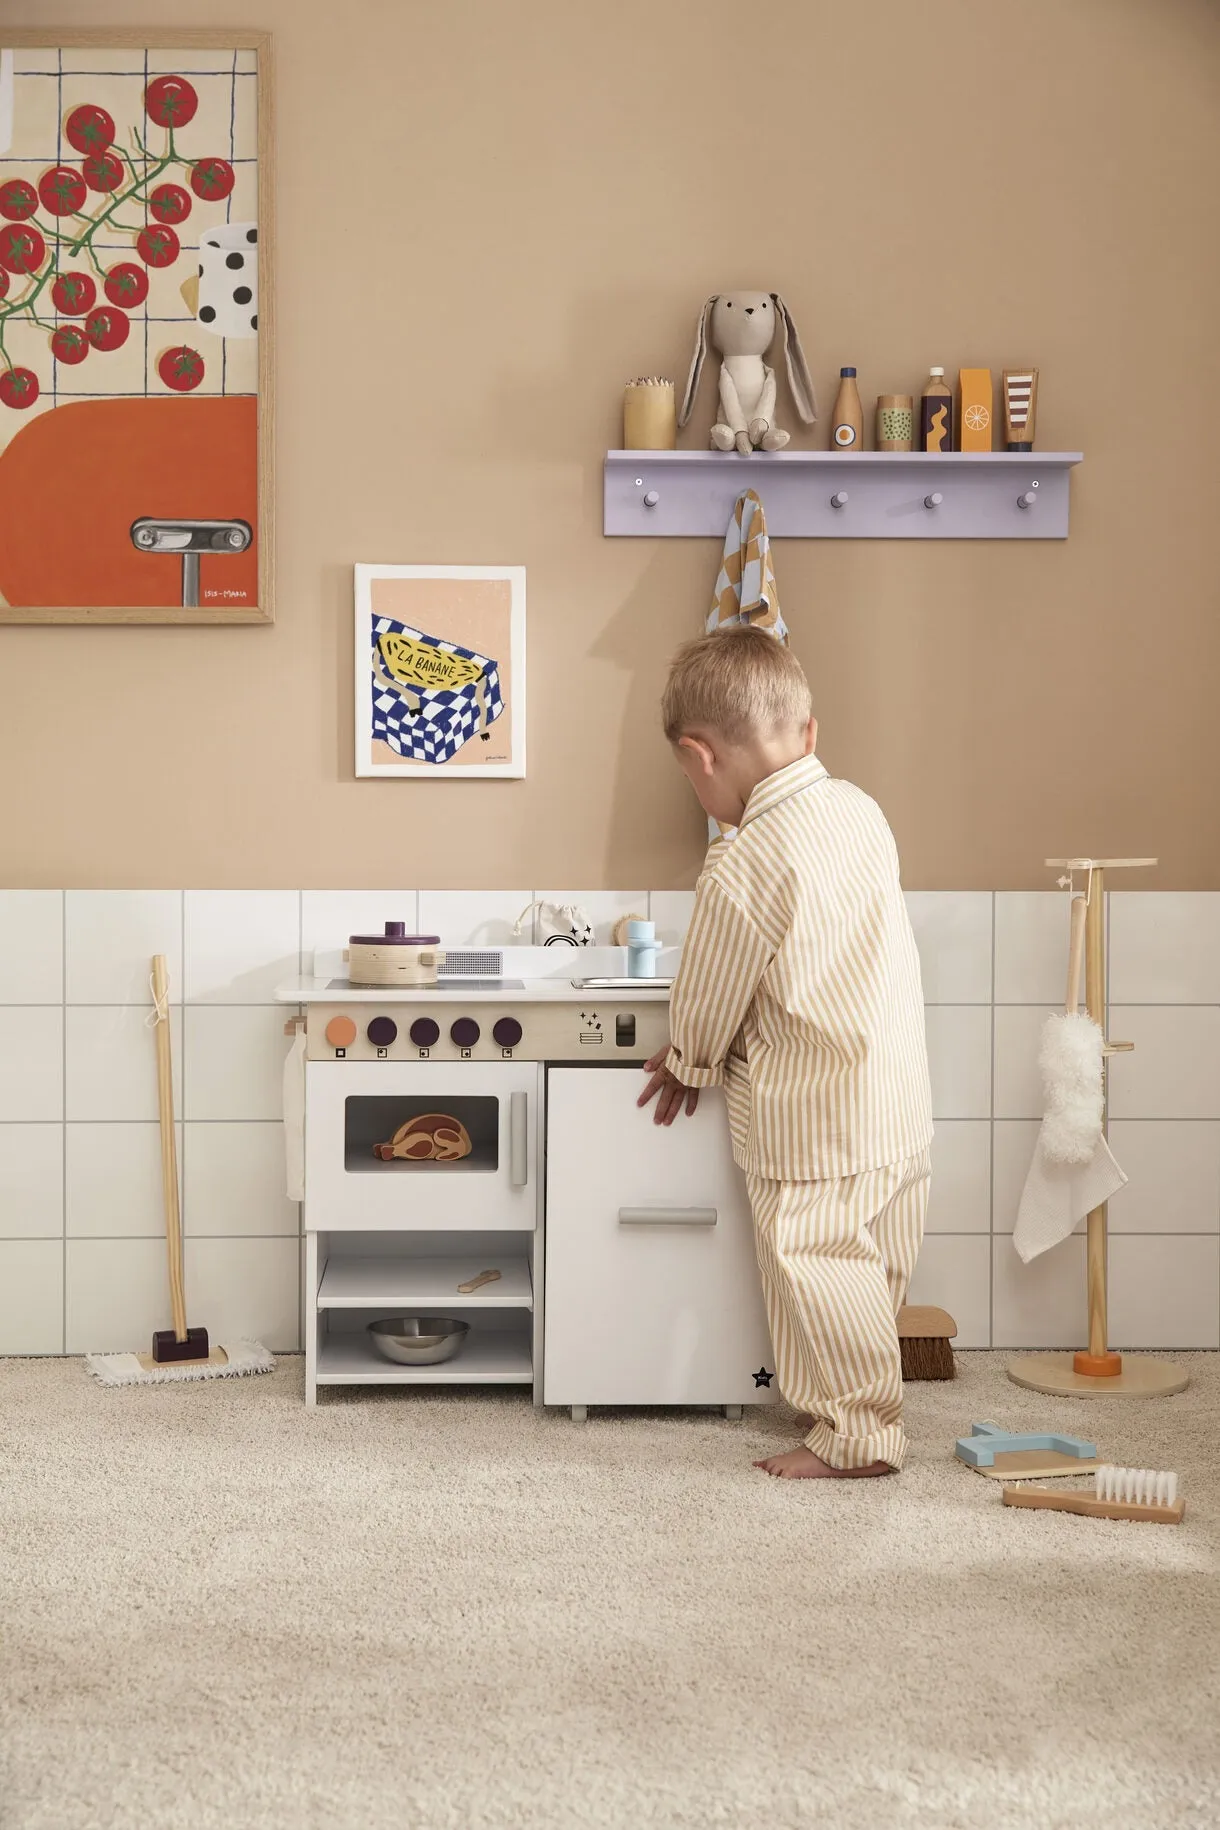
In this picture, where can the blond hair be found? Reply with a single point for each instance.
(738, 681)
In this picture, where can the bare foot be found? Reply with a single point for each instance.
(803, 1465)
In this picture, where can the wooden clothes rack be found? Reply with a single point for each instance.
(1096, 1371)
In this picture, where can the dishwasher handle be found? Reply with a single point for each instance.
(667, 1216)
(518, 1139)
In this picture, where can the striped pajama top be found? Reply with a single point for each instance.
(799, 987)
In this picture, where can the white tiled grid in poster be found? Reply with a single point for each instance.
(81, 1258)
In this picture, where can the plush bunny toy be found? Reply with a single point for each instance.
(743, 325)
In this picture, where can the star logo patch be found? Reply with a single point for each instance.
(763, 1377)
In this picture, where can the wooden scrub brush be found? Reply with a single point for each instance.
(1118, 1493)
(924, 1337)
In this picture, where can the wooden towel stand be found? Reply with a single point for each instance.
(1096, 1372)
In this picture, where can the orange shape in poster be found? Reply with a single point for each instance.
(73, 481)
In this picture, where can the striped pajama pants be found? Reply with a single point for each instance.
(836, 1258)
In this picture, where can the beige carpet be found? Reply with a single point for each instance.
(434, 1611)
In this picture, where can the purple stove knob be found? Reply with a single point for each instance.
(465, 1032)
(507, 1032)
(424, 1032)
(382, 1031)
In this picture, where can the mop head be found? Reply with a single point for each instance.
(137, 1369)
(1070, 1062)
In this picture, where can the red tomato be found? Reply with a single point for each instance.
(62, 190)
(89, 128)
(18, 387)
(103, 171)
(3, 283)
(22, 249)
(70, 344)
(170, 101)
(126, 285)
(170, 203)
(212, 179)
(74, 294)
(107, 328)
(158, 247)
(181, 369)
(17, 199)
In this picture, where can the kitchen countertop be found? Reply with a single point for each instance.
(553, 990)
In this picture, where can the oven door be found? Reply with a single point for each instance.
(352, 1107)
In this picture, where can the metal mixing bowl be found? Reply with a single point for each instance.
(419, 1340)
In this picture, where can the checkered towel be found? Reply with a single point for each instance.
(429, 697)
(745, 589)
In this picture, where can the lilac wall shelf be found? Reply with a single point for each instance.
(826, 495)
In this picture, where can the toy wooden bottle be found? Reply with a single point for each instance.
(936, 414)
(848, 422)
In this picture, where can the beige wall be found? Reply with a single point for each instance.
(489, 216)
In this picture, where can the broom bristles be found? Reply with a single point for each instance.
(926, 1357)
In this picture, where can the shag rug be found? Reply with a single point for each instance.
(222, 1612)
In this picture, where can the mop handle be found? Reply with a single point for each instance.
(169, 1154)
(1076, 954)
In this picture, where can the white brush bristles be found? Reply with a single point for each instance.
(1136, 1486)
(1070, 1062)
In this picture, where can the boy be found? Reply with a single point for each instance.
(799, 993)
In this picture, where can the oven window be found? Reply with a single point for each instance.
(421, 1134)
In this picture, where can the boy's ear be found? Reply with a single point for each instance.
(695, 750)
(811, 737)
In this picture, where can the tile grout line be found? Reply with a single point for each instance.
(63, 1107)
(991, 1146)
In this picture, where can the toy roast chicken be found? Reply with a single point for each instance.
(429, 1137)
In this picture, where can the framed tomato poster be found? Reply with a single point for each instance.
(440, 671)
(135, 320)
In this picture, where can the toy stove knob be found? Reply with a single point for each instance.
(464, 1033)
(341, 1032)
(424, 1032)
(382, 1031)
(507, 1032)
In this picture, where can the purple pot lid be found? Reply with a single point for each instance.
(395, 936)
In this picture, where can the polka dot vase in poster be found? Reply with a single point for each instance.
(228, 280)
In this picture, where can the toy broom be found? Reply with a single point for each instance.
(178, 1352)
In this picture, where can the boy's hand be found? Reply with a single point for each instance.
(673, 1095)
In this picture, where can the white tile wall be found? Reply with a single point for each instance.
(31, 946)
(110, 937)
(81, 1253)
(31, 1181)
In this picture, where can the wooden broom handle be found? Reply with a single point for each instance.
(169, 1153)
(1075, 954)
(1095, 1001)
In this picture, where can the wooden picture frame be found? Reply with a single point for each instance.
(439, 665)
(113, 493)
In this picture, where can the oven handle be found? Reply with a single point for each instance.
(519, 1147)
(667, 1216)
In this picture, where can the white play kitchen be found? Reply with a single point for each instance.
(486, 1204)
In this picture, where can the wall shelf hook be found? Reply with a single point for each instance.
(895, 495)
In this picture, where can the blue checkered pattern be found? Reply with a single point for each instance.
(426, 724)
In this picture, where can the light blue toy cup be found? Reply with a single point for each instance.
(642, 949)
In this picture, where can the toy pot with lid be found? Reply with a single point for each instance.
(394, 958)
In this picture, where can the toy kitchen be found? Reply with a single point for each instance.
(486, 1204)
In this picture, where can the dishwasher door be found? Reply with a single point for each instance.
(652, 1287)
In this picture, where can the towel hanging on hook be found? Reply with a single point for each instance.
(745, 591)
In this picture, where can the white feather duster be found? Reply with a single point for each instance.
(1070, 1062)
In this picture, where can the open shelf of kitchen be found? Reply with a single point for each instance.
(834, 495)
(399, 1283)
(501, 1358)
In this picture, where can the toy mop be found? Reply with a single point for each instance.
(1094, 1372)
(1118, 1493)
(178, 1352)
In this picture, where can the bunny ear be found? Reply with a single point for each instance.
(799, 378)
(696, 361)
